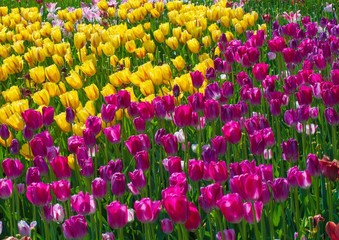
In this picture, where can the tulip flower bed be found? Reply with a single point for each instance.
(153, 120)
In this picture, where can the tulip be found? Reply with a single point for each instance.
(218, 171)
(60, 167)
(41, 164)
(147, 211)
(47, 115)
(195, 169)
(227, 234)
(52, 73)
(12, 168)
(290, 150)
(158, 135)
(146, 111)
(106, 172)
(32, 175)
(304, 95)
(92, 92)
(209, 196)
(83, 203)
(219, 145)
(211, 110)
(183, 116)
(75, 227)
(113, 133)
(177, 207)
(194, 219)
(118, 184)
(313, 165)
(25, 229)
(33, 119)
(141, 160)
(39, 193)
(231, 207)
(179, 63)
(107, 236)
(248, 186)
(248, 211)
(37, 74)
(332, 230)
(196, 101)
(280, 189)
(62, 190)
(193, 45)
(58, 213)
(117, 215)
(62, 122)
(6, 188)
(88, 68)
(99, 188)
(138, 179)
(329, 169)
(137, 143)
(108, 112)
(94, 124)
(232, 132)
(170, 144)
(14, 147)
(197, 79)
(167, 225)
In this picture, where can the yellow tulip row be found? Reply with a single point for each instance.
(90, 59)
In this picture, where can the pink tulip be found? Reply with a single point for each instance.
(146, 210)
(75, 227)
(6, 188)
(232, 132)
(117, 215)
(83, 203)
(62, 190)
(209, 196)
(231, 207)
(167, 225)
(194, 219)
(39, 194)
(99, 188)
(12, 168)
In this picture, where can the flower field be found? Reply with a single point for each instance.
(169, 119)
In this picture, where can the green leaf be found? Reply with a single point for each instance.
(277, 215)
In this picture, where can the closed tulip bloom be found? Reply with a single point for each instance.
(6, 188)
(89, 137)
(113, 134)
(159, 107)
(197, 78)
(329, 169)
(62, 190)
(196, 101)
(146, 210)
(260, 71)
(219, 145)
(142, 160)
(52, 73)
(122, 99)
(25, 229)
(209, 196)
(39, 194)
(28, 133)
(280, 188)
(227, 234)
(60, 167)
(313, 165)
(304, 95)
(83, 203)
(177, 207)
(117, 215)
(146, 111)
(74, 80)
(183, 116)
(179, 63)
(108, 112)
(159, 36)
(138, 178)
(75, 227)
(290, 150)
(33, 119)
(41, 97)
(218, 171)
(32, 175)
(178, 179)
(47, 115)
(107, 236)
(232, 132)
(194, 219)
(170, 144)
(137, 143)
(92, 92)
(62, 123)
(99, 188)
(167, 226)
(37, 74)
(94, 124)
(41, 164)
(248, 211)
(231, 207)
(14, 147)
(193, 45)
(211, 110)
(118, 184)
(12, 168)
(88, 68)
(58, 213)
(195, 169)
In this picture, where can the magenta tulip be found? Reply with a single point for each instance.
(117, 215)
(280, 188)
(39, 194)
(146, 210)
(170, 144)
(195, 169)
(227, 234)
(209, 196)
(137, 143)
(6, 188)
(99, 188)
(183, 115)
(177, 207)
(12, 168)
(248, 211)
(197, 78)
(83, 203)
(32, 118)
(75, 227)
(167, 225)
(108, 112)
(232, 131)
(32, 175)
(60, 167)
(47, 115)
(194, 219)
(62, 190)
(118, 184)
(260, 71)
(231, 207)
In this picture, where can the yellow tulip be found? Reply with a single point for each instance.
(179, 63)
(135, 79)
(82, 115)
(4, 50)
(229, 36)
(79, 40)
(102, 5)
(40, 54)
(176, 32)
(70, 158)
(107, 90)
(37, 74)
(206, 40)
(166, 72)
(122, 13)
(111, 11)
(115, 40)
(49, 48)
(5, 112)
(78, 13)
(12, 94)
(146, 88)
(26, 151)
(88, 68)
(3, 73)
(184, 37)
(216, 35)
(69, 26)
(70, 99)
(16, 122)
(74, 80)
(193, 45)
(8, 141)
(95, 39)
(19, 47)
(90, 107)
(62, 123)
(13, 64)
(239, 28)
(150, 56)
(159, 36)
(58, 60)
(92, 92)
(56, 34)
(262, 27)
(155, 75)
(52, 89)
(149, 98)
(3, 11)
(149, 46)
(41, 97)
(140, 52)
(52, 73)
(108, 49)
(239, 13)
(130, 46)
(155, 13)
(78, 128)
(172, 42)
(69, 59)
(126, 62)
(20, 105)
(164, 27)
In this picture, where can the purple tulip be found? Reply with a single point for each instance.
(170, 144)
(47, 115)
(62, 190)
(60, 167)
(113, 133)
(33, 119)
(39, 194)
(4, 132)
(99, 188)
(211, 110)
(83, 203)
(41, 164)
(89, 137)
(231, 207)
(94, 124)
(146, 111)
(6, 188)
(197, 78)
(12, 168)
(70, 115)
(118, 184)
(212, 91)
(290, 150)
(122, 99)
(108, 112)
(280, 188)
(32, 175)
(75, 227)
(14, 147)
(260, 71)
(195, 169)
(227, 234)
(139, 124)
(196, 101)
(313, 165)
(146, 210)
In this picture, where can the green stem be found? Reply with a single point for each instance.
(296, 202)
(330, 200)
(256, 229)
(284, 220)
(209, 216)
